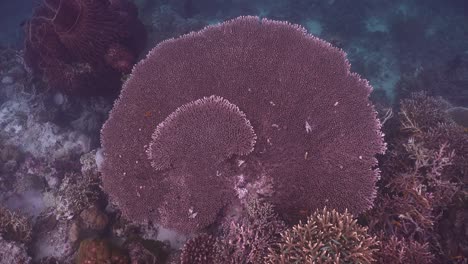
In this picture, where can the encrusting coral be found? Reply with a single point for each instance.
(93, 251)
(13, 252)
(326, 237)
(316, 130)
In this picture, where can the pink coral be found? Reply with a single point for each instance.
(317, 132)
(206, 130)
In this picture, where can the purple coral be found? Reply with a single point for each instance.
(317, 132)
(201, 249)
(78, 45)
(206, 130)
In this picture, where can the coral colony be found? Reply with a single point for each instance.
(219, 123)
(78, 45)
(247, 141)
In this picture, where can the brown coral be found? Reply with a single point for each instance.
(93, 251)
(14, 227)
(326, 237)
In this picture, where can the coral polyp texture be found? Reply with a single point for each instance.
(326, 237)
(316, 131)
(73, 44)
(206, 130)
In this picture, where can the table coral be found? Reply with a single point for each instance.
(316, 131)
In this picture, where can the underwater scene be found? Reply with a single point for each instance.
(233, 131)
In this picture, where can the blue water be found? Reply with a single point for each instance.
(384, 39)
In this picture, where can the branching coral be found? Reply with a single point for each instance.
(74, 44)
(14, 227)
(394, 251)
(326, 237)
(76, 193)
(422, 179)
(248, 240)
(317, 132)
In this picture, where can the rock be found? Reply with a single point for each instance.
(13, 252)
(93, 218)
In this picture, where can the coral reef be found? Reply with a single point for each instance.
(214, 129)
(326, 237)
(314, 141)
(422, 186)
(83, 46)
(94, 219)
(99, 251)
(13, 252)
(394, 250)
(147, 251)
(294, 93)
(75, 194)
(14, 227)
(248, 239)
(201, 249)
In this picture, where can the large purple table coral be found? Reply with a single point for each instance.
(315, 131)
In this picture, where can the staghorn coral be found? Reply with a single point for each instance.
(314, 141)
(423, 176)
(248, 240)
(14, 227)
(77, 45)
(326, 237)
(395, 251)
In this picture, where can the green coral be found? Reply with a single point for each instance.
(327, 237)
